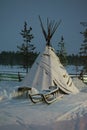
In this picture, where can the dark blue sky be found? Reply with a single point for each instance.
(13, 13)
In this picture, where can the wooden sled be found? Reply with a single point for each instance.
(47, 96)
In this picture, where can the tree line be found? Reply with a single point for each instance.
(16, 58)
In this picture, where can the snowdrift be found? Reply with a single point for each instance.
(68, 113)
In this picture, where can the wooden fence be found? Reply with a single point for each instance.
(12, 75)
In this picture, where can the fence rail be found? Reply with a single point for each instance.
(84, 77)
(13, 75)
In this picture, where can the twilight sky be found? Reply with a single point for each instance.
(13, 13)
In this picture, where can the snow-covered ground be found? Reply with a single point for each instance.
(74, 69)
(15, 69)
(8, 68)
(68, 113)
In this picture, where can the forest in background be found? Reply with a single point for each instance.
(16, 58)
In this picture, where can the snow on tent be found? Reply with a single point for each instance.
(47, 73)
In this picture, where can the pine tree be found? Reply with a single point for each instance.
(83, 48)
(62, 52)
(26, 48)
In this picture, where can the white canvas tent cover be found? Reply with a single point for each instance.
(48, 71)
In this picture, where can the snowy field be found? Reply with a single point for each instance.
(68, 113)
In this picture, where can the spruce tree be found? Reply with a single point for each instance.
(26, 48)
(62, 52)
(83, 48)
